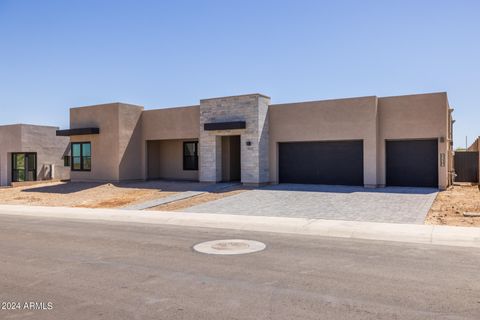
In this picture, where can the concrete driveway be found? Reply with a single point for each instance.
(392, 204)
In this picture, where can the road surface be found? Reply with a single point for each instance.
(111, 270)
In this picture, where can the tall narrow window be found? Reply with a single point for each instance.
(190, 155)
(81, 156)
(66, 161)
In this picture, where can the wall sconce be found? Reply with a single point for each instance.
(249, 143)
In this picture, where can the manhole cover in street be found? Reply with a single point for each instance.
(229, 246)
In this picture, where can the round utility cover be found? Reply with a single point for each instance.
(229, 246)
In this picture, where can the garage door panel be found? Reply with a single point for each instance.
(332, 162)
(412, 163)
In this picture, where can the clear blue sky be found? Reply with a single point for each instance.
(59, 54)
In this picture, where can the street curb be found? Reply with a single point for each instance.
(424, 234)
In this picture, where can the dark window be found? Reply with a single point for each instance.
(24, 167)
(66, 161)
(190, 155)
(81, 156)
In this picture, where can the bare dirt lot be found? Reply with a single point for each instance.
(450, 205)
(93, 195)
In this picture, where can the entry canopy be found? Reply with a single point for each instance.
(78, 132)
(224, 125)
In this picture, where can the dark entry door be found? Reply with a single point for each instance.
(325, 162)
(466, 166)
(412, 163)
(24, 167)
(231, 158)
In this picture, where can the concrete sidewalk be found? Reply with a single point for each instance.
(423, 234)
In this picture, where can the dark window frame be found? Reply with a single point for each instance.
(195, 157)
(82, 157)
(27, 169)
(66, 161)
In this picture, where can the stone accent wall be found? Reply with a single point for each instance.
(253, 110)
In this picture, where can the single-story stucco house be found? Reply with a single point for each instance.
(368, 141)
(31, 153)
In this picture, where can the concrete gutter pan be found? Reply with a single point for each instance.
(423, 234)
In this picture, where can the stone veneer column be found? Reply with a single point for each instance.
(253, 109)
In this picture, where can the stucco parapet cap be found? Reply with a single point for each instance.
(26, 125)
(110, 104)
(416, 94)
(326, 100)
(172, 108)
(237, 96)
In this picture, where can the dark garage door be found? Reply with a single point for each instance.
(326, 162)
(412, 163)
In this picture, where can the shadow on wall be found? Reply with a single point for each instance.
(160, 185)
(347, 189)
(130, 166)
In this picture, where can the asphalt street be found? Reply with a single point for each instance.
(111, 270)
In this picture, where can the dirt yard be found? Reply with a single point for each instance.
(450, 205)
(206, 197)
(93, 195)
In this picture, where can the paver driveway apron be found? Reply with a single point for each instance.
(391, 204)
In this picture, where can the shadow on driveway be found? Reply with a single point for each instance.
(348, 189)
(161, 185)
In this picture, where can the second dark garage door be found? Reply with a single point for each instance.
(412, 163)
(325, 162)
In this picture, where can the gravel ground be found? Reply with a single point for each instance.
(450, 205)
(93, 195)
(203, 198)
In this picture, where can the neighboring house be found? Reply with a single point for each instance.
(475, 146)
(32, 153)
(367, 141)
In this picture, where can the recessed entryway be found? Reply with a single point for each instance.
(172, 159)
(231, 158)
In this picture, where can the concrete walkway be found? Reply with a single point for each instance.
(177, 197)
(423, 234)
(164, 200)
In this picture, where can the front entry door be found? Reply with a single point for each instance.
(24, 167)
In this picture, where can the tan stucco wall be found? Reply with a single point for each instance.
(329, 120)
(130, 144)
(10, 141)
(116, 151)
(165, 160)
(371, 119)
(42, 140)
(422, 116)
(171, 123)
